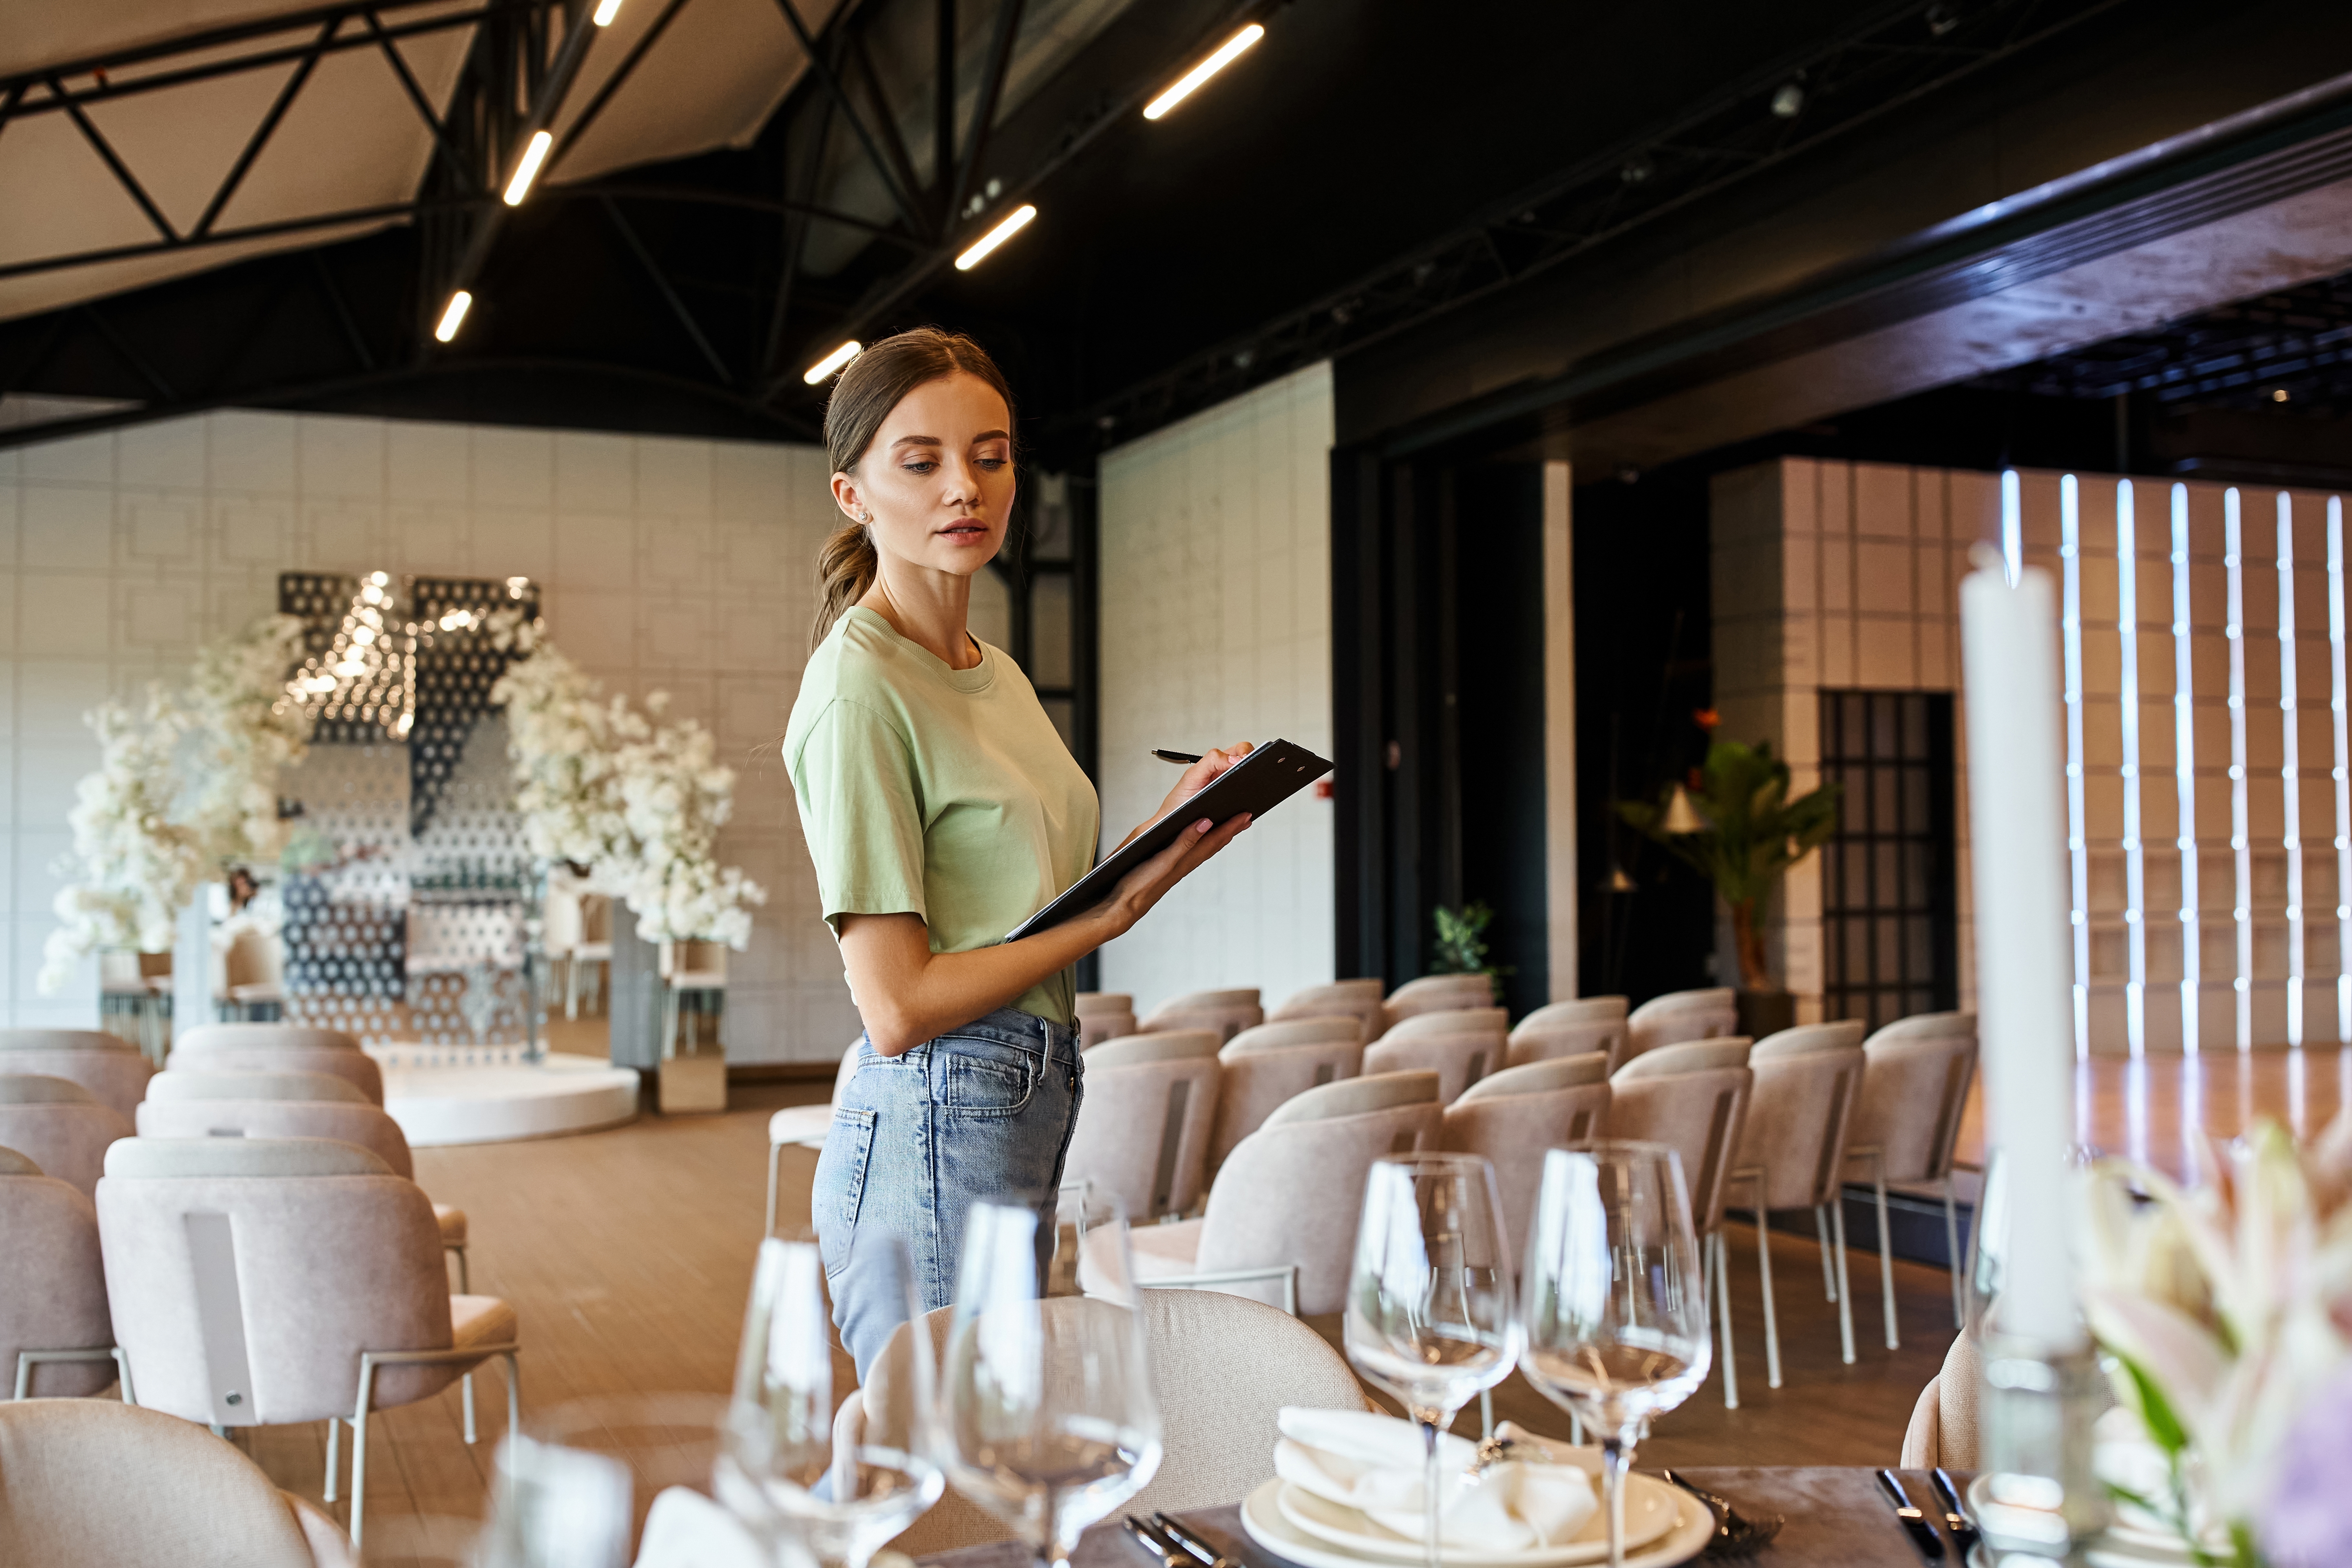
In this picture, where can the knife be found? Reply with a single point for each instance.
(1922, 1535)
(1956, 1518)
(1151, 1542)
(1200, 1550)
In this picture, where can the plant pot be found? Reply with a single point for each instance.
(1763, 1012)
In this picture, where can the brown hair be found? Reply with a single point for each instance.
(874, 385)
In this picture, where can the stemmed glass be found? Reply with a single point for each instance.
(1429, 1315)
(1046, 1415)
(778, 1468)
(1615, 1304)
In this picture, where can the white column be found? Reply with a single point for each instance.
(1559, 727)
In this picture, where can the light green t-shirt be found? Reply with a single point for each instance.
(942, 793)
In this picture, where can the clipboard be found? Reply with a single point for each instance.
(1269, 775)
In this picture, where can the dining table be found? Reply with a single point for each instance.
(1837, 1517)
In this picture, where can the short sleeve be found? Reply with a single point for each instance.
(862, 812)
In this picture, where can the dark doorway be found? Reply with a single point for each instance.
(1889, 894)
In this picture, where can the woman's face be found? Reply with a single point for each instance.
(938, 480)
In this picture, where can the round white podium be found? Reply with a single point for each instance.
(446, 1095)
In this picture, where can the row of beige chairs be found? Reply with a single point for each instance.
(257, 1255)
(1560, 1029)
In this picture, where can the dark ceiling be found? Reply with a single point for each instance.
(1359, 134)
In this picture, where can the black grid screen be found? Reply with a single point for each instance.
(1888, 907)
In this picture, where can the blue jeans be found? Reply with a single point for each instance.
(982, 1111)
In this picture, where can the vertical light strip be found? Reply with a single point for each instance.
(2070, 551)
(2290, 770)
(2012, 527)
(2343, 769)
(2135, 862)
(2242, 910)
(2184, 771)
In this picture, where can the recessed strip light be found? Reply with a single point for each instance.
(995, 237)
(2184, 775)
(454, 315)
(2241, 852)
(831, 362)
(1185, 84)
(2134, 857)
(605, 10)
(2069, 552)
(534, 154)
(2343, 768)
(2290, 770)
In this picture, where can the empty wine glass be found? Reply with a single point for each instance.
(1429, 1315)
(1615, 1306)
(1047, 1418)
(779, 1470)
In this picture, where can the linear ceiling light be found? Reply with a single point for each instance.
(533, 155)
(831, 362)
(454, 315)
(605, 10)
(995, 237)
(1226, 53)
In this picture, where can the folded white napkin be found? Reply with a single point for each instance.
(1375, 1464)
(686, 1529)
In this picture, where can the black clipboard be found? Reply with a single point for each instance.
(1269, 775)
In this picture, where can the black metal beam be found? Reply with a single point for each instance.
(341, 309)
(262, 133)
(983, 112)
(614, 83)
(128, 354)
(459, 174)
(892, 142)
(901, 199)
(670, 295)
(113, 160)
(943, 125)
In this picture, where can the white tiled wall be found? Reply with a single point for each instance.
(678, 564)
(1216, 628)
(1846, 576)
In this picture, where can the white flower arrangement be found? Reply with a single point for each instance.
(600, 786)
(185, 787)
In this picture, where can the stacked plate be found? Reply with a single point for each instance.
(1662, 1527)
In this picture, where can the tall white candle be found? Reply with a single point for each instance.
(2017, 828)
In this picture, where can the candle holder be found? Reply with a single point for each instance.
(2037, 1500)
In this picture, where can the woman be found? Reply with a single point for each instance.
(941, 811)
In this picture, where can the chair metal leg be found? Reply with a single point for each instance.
(1885, 1255)
(1718, 1269)
(464, 1275)
(572, 988)
(514, 1392)
(1764, 1264)
(359, 1448)
(775, 1160)
(1952, 1252)
(1821, 1229)
(465, 1399)
(334, 1455)
(122, 1366)
(1485, 1414)
(1845, 1296)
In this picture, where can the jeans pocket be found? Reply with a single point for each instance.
(840, 1184)
(982, 1078)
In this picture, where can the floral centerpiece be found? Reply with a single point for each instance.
(2226, 1307)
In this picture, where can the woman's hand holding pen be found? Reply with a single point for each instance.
(1144, 886)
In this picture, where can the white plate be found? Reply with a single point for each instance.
(1262, 1522)
(1650, 1508)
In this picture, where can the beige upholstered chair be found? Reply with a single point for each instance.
(1357, 999)
(1792, 1156)
(1221, 1370)
(290, 1105)
(59, 1126)
(1513, 1116)
(1226, 1011)
(275, 1047)
(1681, 1015)
(1943, 1429)
(1906, 1123)
(806, 1125)
(1461, 1046)
(1143, 1129)
(265, 1281)
(52, 1289)
(1693, 1098)
(1104, 1015)
(94, 1483)
(1281, 1220)
(112, 1068)
(1267, 1065)
(1434, 993)
(1572, 1030)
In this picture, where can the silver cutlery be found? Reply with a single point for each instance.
(1194, 1547)
(1152, 1541)
(1956, 1516)
(1736, 1535)
(1922, 1535)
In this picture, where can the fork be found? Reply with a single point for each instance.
(1736, 1535)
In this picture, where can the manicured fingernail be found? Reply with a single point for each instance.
(1202, 826)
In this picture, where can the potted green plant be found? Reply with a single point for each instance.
(1735, 823)
(1461, 945)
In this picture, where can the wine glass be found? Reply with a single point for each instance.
(1046, 1415)
(1430, 1314)
(1615, 1304)
(779, 1468)
(581, 1484)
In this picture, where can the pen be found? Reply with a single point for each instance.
(1179, 757)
